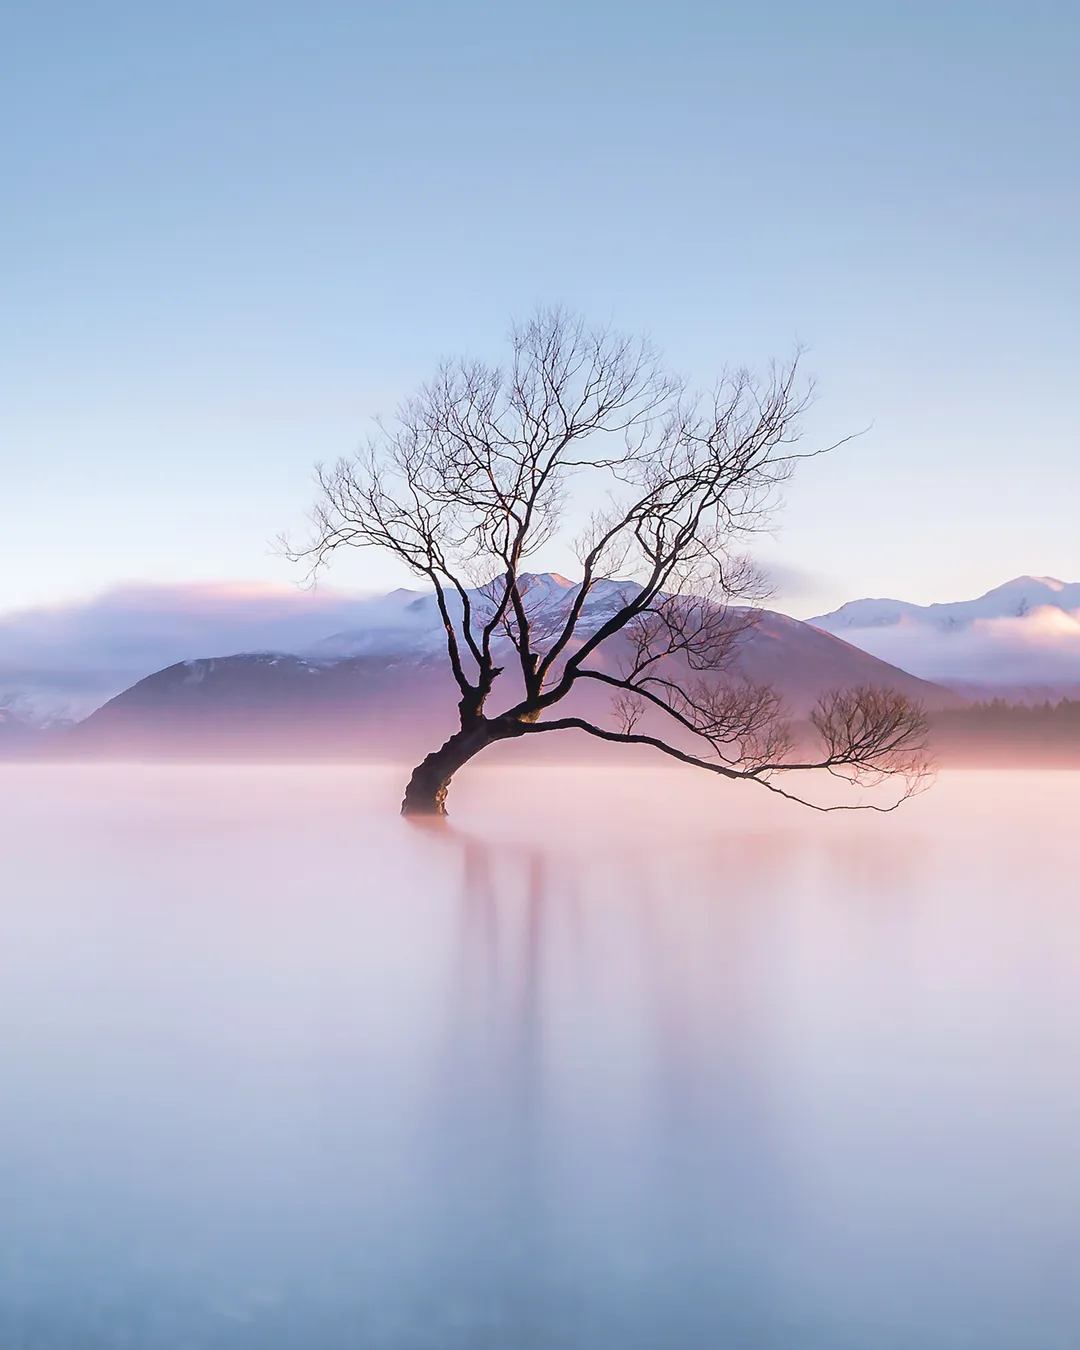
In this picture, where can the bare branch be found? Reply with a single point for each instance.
(472, 478)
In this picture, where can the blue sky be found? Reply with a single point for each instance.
(234, 231)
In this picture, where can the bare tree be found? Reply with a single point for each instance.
(473, 477)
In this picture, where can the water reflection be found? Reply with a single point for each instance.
(300, 1077)
(615, 1071)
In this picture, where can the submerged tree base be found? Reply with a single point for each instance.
(426, 792)
(424, 803)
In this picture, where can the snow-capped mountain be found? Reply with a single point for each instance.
(383, 689)
(1020, 640)
(62, 661)
(9, 723)
(59, 663)
(15, 733)
(1017, 599)
(409, 621)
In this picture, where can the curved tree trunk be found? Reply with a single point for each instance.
(426, 792)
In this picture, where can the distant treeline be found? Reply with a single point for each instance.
(1038, 733)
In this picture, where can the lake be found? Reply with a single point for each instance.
(616, 1060)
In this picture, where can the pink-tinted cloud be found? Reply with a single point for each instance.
(71, 657)
(1039, 648)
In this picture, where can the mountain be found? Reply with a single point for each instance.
(16, 735)
(62, 661)
(383, 689)
(271, 704)
(1019, 641)
(410, 621)
(59, 663)
(1016, 599)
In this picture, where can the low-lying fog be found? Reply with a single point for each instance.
(618, 1058)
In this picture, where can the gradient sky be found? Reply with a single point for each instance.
(233, 231)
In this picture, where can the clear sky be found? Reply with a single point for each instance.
(233, 230)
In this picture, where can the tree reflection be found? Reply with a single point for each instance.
(607, 1076)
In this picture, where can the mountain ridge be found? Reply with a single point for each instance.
(1019, 640)
(401, 702)
(1013, 599)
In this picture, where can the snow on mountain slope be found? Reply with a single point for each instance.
(59, 663)
(400, 702)
(1015, 600)
(1024, 634)
(409, 621)
(15, 733)
(64, 660)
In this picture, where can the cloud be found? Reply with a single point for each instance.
(793, 583)
(69, 658)
(1043, 647)
(796, 589)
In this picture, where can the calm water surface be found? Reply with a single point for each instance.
(619, 1059)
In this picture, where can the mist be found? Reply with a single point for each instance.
(649, 1062)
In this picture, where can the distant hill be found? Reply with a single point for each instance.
(1016, 599)
(266, 705)
(400, 704)
(59, 663)
(1020, 641)
(1003, 735)
(16, 735)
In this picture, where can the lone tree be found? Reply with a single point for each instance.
(473, 477)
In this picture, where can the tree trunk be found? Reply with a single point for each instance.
(426, 792)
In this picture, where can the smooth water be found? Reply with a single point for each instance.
(617, 1060)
